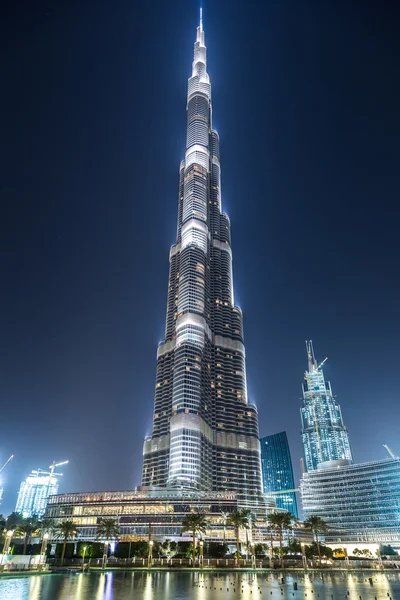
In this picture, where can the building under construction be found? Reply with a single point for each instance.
(35, 490)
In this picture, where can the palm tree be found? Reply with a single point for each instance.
(11, 523)
(3, 529)
(271, 534)
(13, 520)
(47, 530)
(317, 525)
(47, 526)
(249, 519)
(65, 531)
(237, 520)
(224, 516)
(196, 523)
(2, 524)
(280, 521)
(27, 527)
(107, 529)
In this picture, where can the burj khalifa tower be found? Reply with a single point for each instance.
(205, 433)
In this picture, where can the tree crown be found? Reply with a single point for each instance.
(237, 519)
(195, 522)
(66, 529)
(316, 524)
(280, 520)
(108, 528)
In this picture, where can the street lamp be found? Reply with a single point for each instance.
(83, 559)
(271, 548)
(379, 555)
(105, 553)
(201, 544)
(346, 557)
(44, 543)
(253, 555)
(303, 555)
(7, 540)
(150, 557)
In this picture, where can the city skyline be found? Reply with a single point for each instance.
(80, 184)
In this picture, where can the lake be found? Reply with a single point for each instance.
(124, 585)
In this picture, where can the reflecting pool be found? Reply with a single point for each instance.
(124, 585)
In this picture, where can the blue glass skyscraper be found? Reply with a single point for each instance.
(277, 471)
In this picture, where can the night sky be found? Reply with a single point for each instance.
(306, 101)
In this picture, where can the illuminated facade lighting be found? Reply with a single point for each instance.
(34, 492)
(324, 436)
(157, 511)
(205, 434)
(360, 503)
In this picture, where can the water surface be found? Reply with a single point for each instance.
(200, 586)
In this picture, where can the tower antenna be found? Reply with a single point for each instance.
(310, 355)
(312, 351)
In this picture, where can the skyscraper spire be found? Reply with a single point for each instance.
(312, 363)
(200, 59)
(205, 434)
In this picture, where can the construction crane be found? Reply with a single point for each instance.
(54, 465)
(6, 463)
(52, 469)
(2, 469)
(391, 454)
(322, 364)
(50, 473)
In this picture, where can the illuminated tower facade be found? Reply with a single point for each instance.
(34, 492)
(205, 434)
(325, 438)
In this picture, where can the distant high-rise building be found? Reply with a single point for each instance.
(277, 471)
(205, 433)
(34, 492)
(324, 435)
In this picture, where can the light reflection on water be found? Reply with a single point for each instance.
(100, 587)
(201, 586)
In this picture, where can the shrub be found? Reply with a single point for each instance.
(69, 550)
(216, 549)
